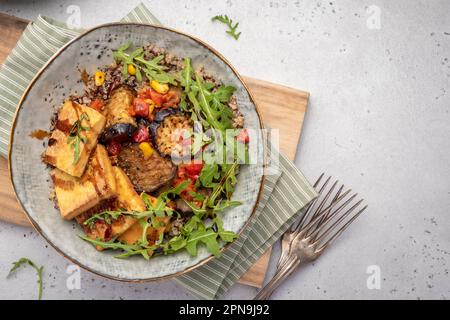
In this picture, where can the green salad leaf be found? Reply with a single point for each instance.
(152, 69)
(25, 261)
(231, 28)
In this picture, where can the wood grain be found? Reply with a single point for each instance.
(281, 108)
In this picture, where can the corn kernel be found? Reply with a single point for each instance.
(159, 87)
(99, 78)
(131, 69)
(146, 149)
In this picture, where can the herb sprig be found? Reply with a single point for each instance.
(150, 68)
(75, 137)
(39, 270)
(231, 28)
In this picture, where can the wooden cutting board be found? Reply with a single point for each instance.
(281, 108)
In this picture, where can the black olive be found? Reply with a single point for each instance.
(160, 115)
(143, 122)
(214, 227)
(120, 132)
(153, 128)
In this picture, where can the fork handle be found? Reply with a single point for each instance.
(285, 271)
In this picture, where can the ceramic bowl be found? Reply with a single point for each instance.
(60, 78)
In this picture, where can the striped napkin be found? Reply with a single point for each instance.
(285, 193)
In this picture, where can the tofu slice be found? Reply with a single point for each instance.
(128, 199)
(59, 153)
(76, 195)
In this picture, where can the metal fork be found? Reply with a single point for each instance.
(324, 220)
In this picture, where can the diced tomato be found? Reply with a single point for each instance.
(243, 136)
(172, 99)
(140, 107)
(141, 135)
(185, 194)
(97, 104)
(157, 98)
(189, 171)
(113, 148)
(193, 169)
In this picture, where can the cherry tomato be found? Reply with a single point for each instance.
(140, 107)
(172, 99)
(141, 135)
(97, 104)
(113, 148)
(243, 136)
(157, 98)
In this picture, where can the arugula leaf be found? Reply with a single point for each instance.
(231, 28)
(150, 68)
(227, 181)
(223, 93)
(208, 237)
(191, 224)
(25, 261)
(107, 216)
(227, 236)
(130, 250)
(186, 75)
(177, 243)
(208, 174)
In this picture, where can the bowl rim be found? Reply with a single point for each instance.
(34, 80)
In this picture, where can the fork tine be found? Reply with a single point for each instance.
(303, 218)
(339, 232)
(330, 207)
(325, 199)
(319, 227)
(313, 222)
(333, 203)
(335, 223)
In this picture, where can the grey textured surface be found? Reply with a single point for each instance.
(378, 119)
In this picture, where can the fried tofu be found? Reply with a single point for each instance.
(128, 199)
(60, 153)
(76, 195)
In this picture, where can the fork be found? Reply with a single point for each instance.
(324, 220)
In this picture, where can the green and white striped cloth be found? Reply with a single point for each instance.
(285, 194)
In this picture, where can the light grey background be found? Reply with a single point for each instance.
(378, 120)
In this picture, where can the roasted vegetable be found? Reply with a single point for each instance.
(161, 115)
(146, 173)
(141, 135)
(118, 107)
(172, 134)
(119, 132)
